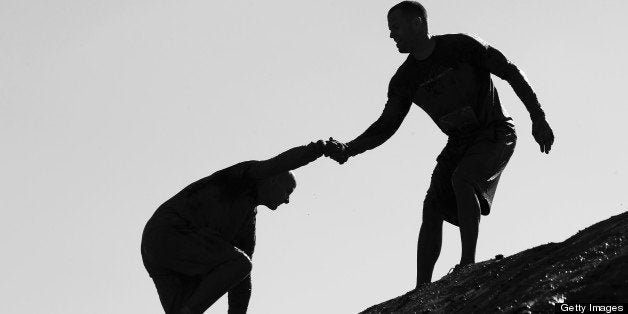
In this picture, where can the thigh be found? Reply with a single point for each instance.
(483, 164)
(174, 290)
(186, 252)
(440, 200)
(487, 157)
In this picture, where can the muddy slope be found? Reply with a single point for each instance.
(591, 266)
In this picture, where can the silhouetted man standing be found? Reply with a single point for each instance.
(198, 245)
(449, 77)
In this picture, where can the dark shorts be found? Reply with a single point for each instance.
(480, 159)
(176, 256)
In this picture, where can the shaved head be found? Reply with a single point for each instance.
(276, 190)
(286, 178)
(410, 9)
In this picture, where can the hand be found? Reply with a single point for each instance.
(543, 134)
(336, 151)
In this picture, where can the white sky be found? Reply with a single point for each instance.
(107, 108)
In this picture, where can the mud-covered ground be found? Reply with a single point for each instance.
(591, 266)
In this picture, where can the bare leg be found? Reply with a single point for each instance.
(468, 217)
(430, 241)
(216, 283)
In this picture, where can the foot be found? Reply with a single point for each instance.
(458, 268)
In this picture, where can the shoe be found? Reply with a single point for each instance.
(457, 268)
(454, 269)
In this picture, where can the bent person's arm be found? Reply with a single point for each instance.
(289, 160)
(382, 129)
(239, 296)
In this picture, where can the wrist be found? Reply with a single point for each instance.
(537, 115)
(320, 147)
(349, 150)
(538, 118)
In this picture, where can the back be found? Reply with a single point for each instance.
(222, 201)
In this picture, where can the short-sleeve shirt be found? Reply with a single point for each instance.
(453, 85)
(224, 202)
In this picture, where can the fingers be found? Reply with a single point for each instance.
(543, 143)
(545, 148)
(548, 139)
(544, 136)
(339, 157)
(336, 151)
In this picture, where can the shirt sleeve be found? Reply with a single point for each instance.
(476, 51)
(399, 87)
(289, 160)
(493, 61)
(472, 49)
(395, 111)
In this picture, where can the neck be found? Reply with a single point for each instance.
(424, 48)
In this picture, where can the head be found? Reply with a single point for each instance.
(274, 191)
(407, 22)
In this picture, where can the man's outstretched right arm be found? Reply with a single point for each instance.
(378, 133)
(289, 160)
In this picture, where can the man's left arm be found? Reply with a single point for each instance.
(499, 65)
(289, 160)
(239, 296)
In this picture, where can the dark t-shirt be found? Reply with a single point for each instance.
(223, 203)
(453, 85)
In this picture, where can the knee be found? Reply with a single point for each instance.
(460, 181)
(243, 263)
(431, 216)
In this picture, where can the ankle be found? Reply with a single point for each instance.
(466, 262)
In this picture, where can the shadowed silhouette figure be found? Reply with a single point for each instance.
(198, 245)
(449, 77)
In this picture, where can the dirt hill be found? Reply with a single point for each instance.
(591, 266)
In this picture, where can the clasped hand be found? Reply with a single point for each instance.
(336, 150)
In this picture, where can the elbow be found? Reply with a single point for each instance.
(388, 132)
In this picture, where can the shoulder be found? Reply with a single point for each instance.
(237, 172)
(235, 179)
(230, 175)
(460, 39)
(463, 47)
(402, 72)
(398, 85)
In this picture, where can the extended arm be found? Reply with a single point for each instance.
(497, 64)
(379, 132)
(291, 159)
(382, 129)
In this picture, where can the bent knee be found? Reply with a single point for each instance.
(460, 180)
(431, 214)
(243, 263)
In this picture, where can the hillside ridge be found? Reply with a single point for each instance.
(590, 266)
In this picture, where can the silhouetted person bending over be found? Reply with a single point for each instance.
(198, 245)
(449, 77)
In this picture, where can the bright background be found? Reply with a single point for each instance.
(109, 108)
